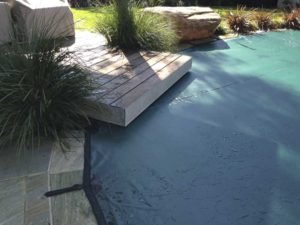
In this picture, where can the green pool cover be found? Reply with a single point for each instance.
(221, 147)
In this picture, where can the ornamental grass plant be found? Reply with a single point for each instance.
(239, 20)
(292, 19)
(130, 28)
(43, 91)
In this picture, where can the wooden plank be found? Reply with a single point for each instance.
(86, 55)
(125, 74)
(140, 98)
(130, 83)
(125, 60)
(85, 61)
(85, 58)
(137, 80)
(127, 98)
(102, 79)
(107, 58)
(132, 63)
(91, 55)
(127, 67)
(106, 113)
(100, 59)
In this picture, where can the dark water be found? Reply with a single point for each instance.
(222, 147)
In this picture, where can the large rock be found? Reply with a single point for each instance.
(6, 29)
(193, 23)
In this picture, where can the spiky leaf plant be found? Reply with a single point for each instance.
(43, 93)
(154, 32)
(264, 20)
(239, 21)
(292, 19)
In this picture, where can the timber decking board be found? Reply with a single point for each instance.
(91, 54)
(127, 83)
(148, 92)
(102, 59)
(137, 80)
(139, 86)
(125, 74)
(124, 69)
(118, 64)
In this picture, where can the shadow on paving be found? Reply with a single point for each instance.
(221, 147)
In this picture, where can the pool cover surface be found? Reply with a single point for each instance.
(222, 147)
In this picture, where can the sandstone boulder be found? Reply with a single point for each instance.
(193, 23)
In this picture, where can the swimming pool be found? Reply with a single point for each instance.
(222, 147)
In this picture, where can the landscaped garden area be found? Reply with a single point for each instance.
(154, 112)
(259, 18)
(125, 25)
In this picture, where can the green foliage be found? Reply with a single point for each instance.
(42, 93)
(154, 32)
(109, 27)
(292, 19)
(264, 20)
(226, 3)
(232, 3)
(85, 18)
(239, 21)
(143, 30)
(88, 17)
(147, 3)
(221, 30)
(278, 24)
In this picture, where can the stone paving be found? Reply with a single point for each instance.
(25, 178)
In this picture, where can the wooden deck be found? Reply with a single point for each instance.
(129, 83)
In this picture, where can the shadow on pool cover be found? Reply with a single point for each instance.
(222, 147)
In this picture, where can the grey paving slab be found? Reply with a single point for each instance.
(13, 164)
(25, 180)
(36, 210)
(71, 208)
(12, 193)
(69, 160)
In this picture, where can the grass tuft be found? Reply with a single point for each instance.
(143, 30)
(239, 21)
(154, 32)
(43, 93)
(264, 20)
(221, 30)
(292, 19)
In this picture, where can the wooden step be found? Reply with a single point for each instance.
(130, 83)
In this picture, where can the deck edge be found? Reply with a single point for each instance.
(142, 103)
